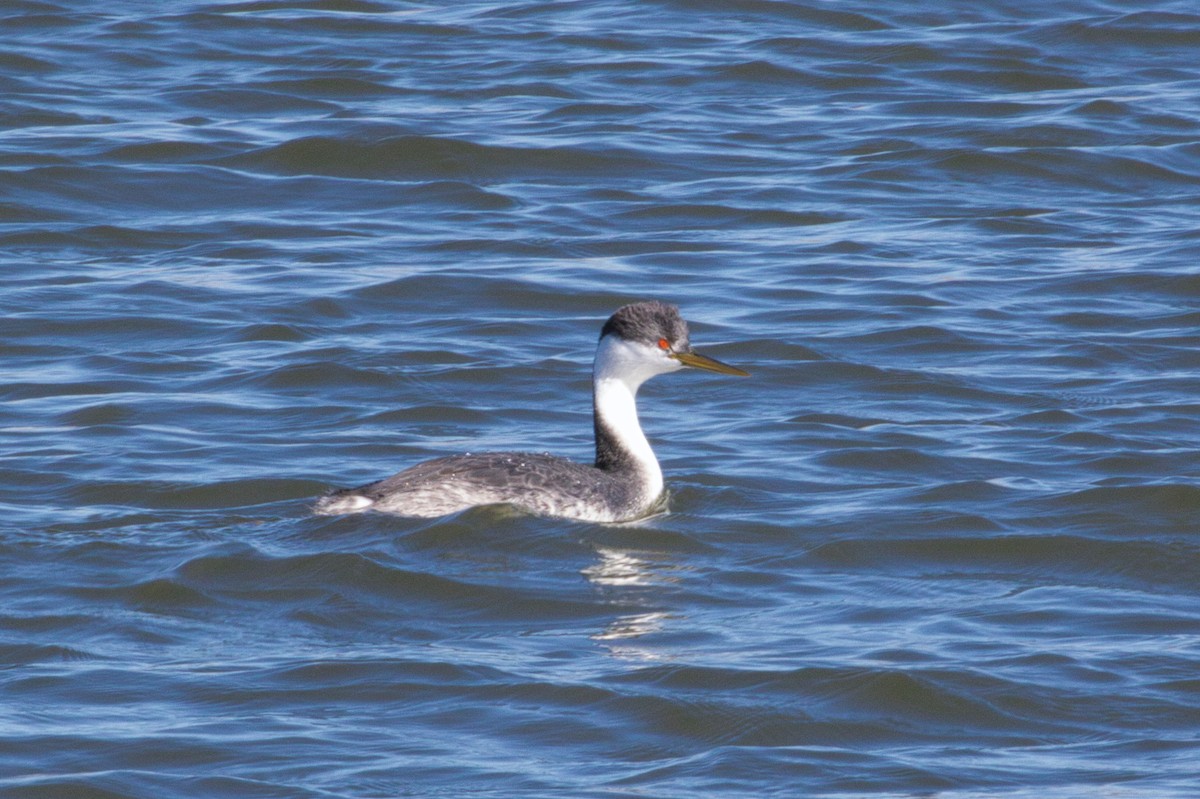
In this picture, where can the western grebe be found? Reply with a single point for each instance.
(637, 342)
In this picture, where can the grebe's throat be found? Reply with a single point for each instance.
(620, 443)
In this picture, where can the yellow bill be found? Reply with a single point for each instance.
(711, 364)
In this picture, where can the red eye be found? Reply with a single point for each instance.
(663, 344)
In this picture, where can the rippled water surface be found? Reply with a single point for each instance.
(943, 543)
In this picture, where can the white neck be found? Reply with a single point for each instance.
(620, 369)
(616, 405)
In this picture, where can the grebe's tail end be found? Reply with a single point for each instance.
(344, 500)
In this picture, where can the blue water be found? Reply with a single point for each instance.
(943, 543)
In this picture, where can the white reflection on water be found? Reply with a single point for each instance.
(621, 569)
(625, 628)
(616, 568)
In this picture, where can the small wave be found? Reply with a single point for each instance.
(339, 87)
(1168, 508)
(768, 10)
(168, 495)
(160, 595)
(430, 158)
(790, 704)
(165, 152)
(249, 101)
(1137, 564)
(708, 216)
(28, 654)
(302, 580)
(1152, 30)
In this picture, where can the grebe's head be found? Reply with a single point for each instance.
(646, 339)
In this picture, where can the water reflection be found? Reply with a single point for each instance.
(619, 568)
(625, 570)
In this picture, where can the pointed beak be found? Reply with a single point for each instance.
(711, 364)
